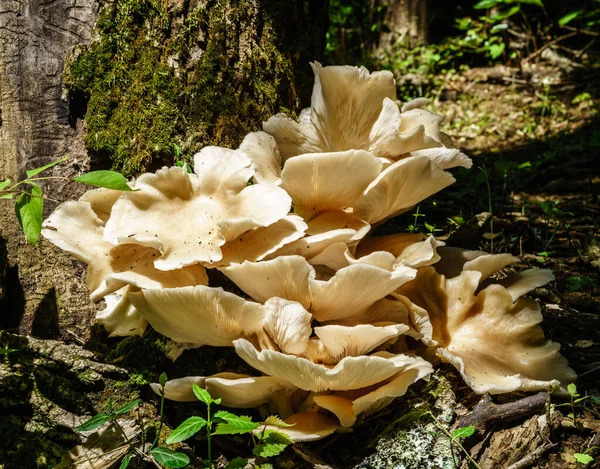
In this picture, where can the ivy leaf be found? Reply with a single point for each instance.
(583, 458)
(29, 208)
(463, 432)
(276, 421)
(125, 462)
(33, 172)
(106, 179)
(187, 429)
(237, 463)
(272, 444)
(93, 423)
(169, 458)
(4, 184)
(202, 395)
(234, 424)
(127, 407)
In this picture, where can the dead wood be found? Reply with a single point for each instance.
(486, 413)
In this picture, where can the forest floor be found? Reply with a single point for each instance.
(533, 191)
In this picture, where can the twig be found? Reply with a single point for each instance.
(582, 31)
(486, 413)
(531, 458)
(545, 46)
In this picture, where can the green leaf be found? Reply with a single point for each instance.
(237, 463)
(162, 379)
(10, 195)
(28, 209)
(4, 184)
(176, 150)
(583, 458)
(537, 3)
(169, 457)
(5, 351)
(485, 4)
(95, 422)
(104, 178)
(127, 407)
(496, 50)
(498, 27)
(187, 429)
(503, 15)
(277, 422)
(234, 424)
(125, 462)
(202, 395)
(33, 172)
(463, 432)
(572, 389)
(272, 444)
(569, 17)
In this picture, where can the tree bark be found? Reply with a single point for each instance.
(35, 36)
(190, 72)
(405, 22)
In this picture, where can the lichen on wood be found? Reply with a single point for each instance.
(190, 73)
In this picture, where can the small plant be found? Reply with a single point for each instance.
(158, 454)
(580, 283)
(584, 458)
(269, 443)
(575, 398)
(29, 205)
(454, 437)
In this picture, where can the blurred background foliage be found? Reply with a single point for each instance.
(420, 39)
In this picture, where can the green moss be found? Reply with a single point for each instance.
(194, 75)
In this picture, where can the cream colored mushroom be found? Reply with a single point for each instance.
(495, 342)
(400, 187)
(76, 228)
(307, 426)
(349, 373)
(235, 390)
(321, 181)
(327, 228)
(353, 109)
(260, 243)
(188, 217)
(262, 149)
(348, 405)
(199, 315)
(119, 317)
(350, 291)
(412, 250)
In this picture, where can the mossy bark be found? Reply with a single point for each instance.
(192, 73)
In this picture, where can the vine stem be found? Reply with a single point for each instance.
(208, 435)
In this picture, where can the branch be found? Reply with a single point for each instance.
(486, 413)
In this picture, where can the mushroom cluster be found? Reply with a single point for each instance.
(336, 321)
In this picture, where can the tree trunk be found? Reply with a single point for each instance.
(185, 72)
(405, 22)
